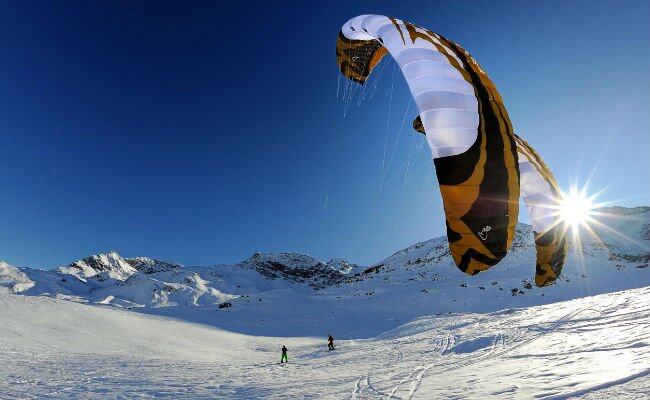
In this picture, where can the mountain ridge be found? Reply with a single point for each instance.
(594, 265)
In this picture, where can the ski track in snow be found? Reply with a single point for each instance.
(497, 349)
(502, 344)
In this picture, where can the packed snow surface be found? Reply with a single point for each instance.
(596, 347)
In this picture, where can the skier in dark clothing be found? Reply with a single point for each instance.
(330, 343)
(284, 355)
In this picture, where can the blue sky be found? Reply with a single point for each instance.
(203, 132)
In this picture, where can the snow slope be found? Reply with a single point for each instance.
(596, 347)
(410, 326)
(13, 280)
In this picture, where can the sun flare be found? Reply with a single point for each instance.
(576, 208)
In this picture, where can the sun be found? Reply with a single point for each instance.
(576, 208)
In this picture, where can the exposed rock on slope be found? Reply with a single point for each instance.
(294, 267)
(147, 265)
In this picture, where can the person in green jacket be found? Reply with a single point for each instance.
(284, 355)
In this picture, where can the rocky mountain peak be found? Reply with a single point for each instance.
(148, 265)
(110, 265)
(294, 267)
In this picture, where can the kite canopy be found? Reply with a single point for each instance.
(475, 151)
(542, 196)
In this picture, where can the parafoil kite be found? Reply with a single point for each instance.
(481, 165)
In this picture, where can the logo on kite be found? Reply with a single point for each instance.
(483, 233)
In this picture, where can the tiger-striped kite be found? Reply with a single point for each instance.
(481, 165)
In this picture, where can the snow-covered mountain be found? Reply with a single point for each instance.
(614, 257)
